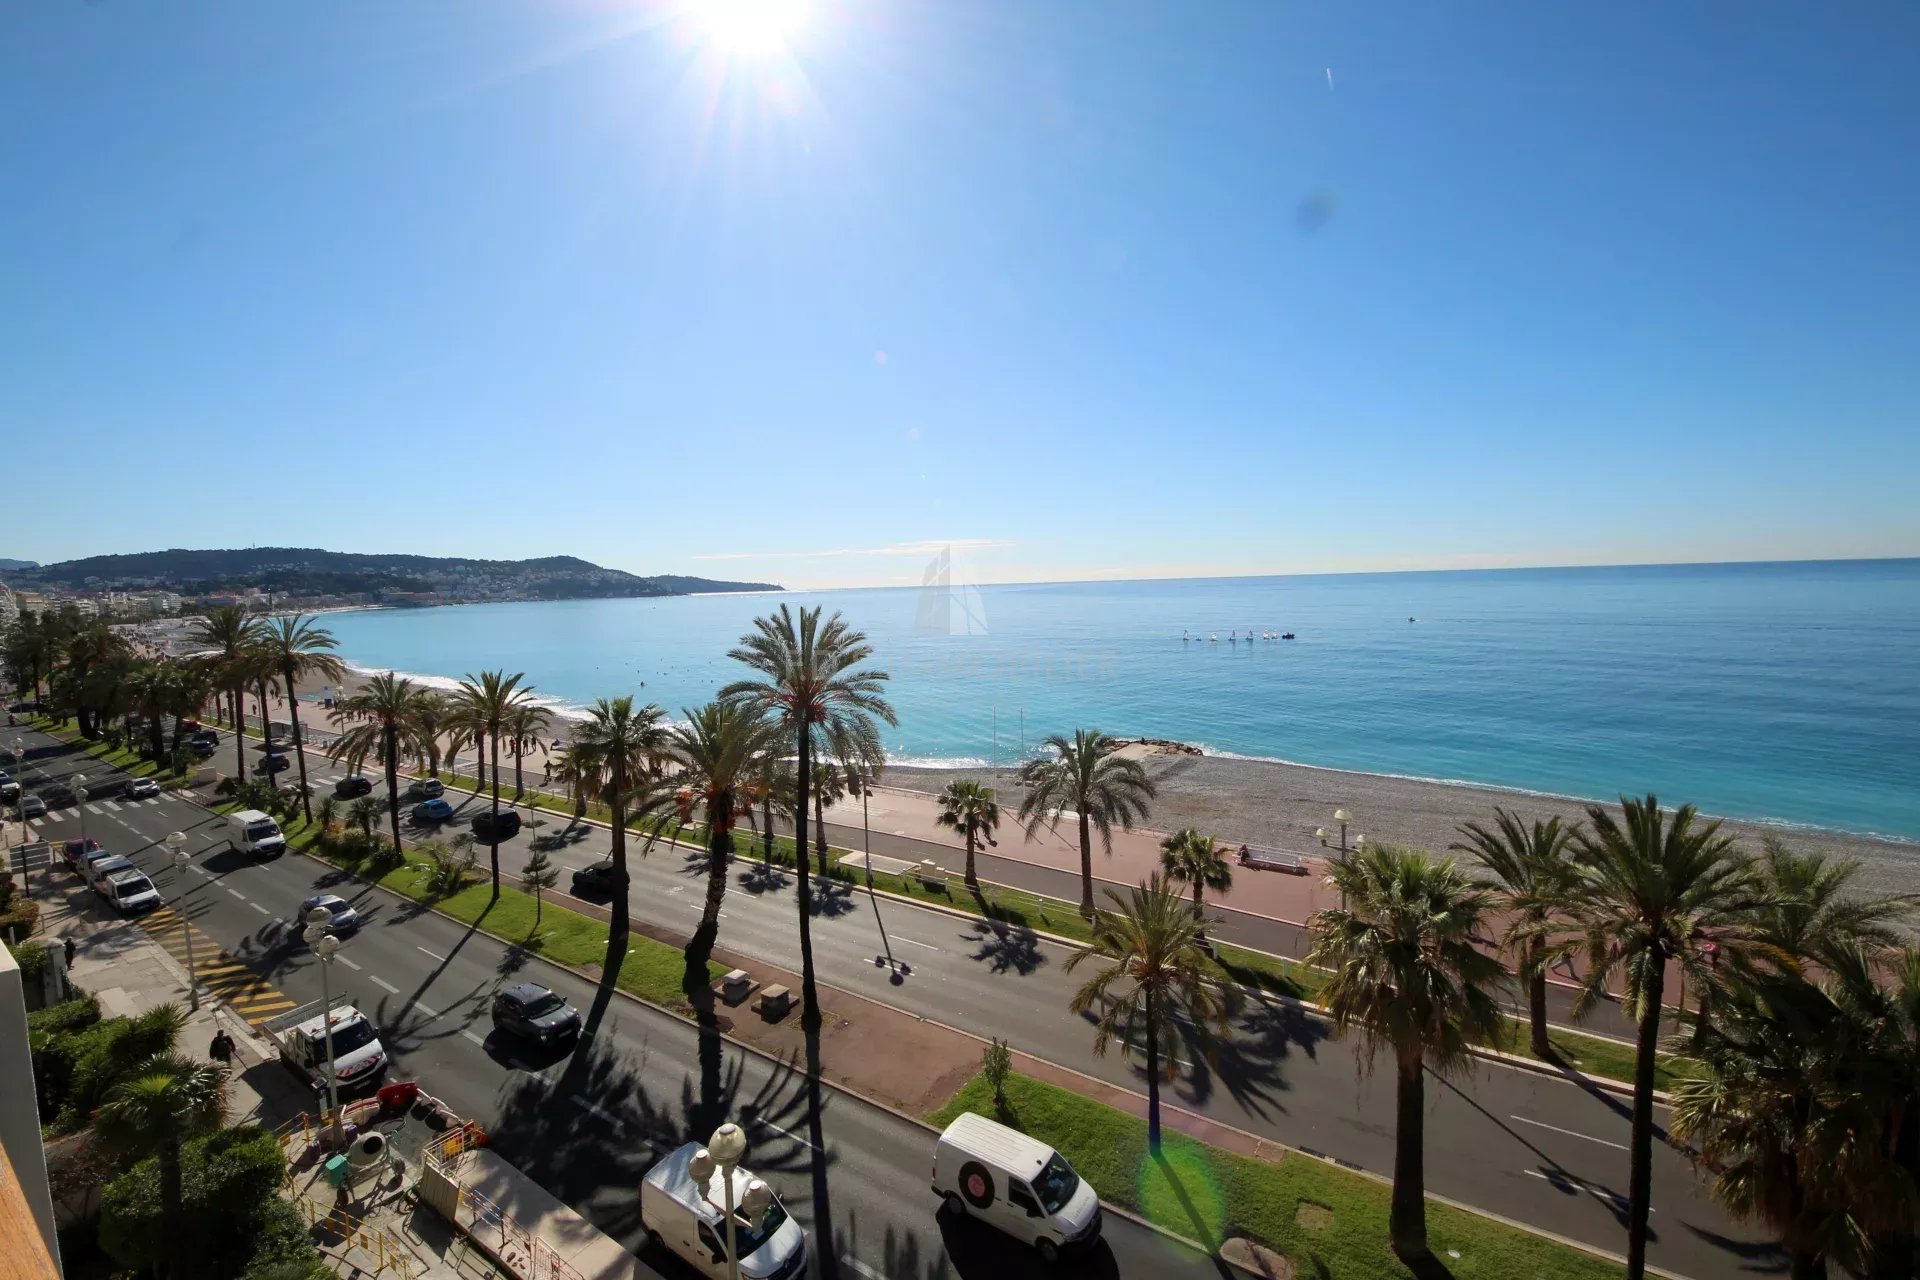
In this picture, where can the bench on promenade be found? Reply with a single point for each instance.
(1273, 860)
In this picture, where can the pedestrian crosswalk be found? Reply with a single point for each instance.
(225, 978)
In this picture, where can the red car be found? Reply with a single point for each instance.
(76, 851)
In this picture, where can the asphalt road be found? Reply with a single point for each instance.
(586, 1125)
(1534, 1148)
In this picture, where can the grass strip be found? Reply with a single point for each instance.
(1331, 1222)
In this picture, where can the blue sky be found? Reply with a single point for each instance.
(1084, 289)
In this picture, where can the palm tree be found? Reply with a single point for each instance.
(1813, 909)
(721, 752)
(525, 728)
(482, 708)
(1084, 777)
(1884, 992)
(772, 790)
(432, 708)
(382, 720)
(1535, 876)
(813, 683)
(1154, 976)
(1654, 890)
(970, 809)
(149, 689)
(1784, 1109)
(364, 810)
(614, 757)
(1407, 977)
(232, 635)
(1187, 857)
(171, 1098)
(572, 771)
(94, 650)
(298, 650)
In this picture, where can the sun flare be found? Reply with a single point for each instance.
(752, 27)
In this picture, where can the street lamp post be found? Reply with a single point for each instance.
(325, 945)
(722, 1155)
(177, 841)
(80, 801)
(863, 782)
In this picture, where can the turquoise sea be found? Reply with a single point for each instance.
(1786, 692)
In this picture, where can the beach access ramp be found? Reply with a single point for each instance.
(520, 1224)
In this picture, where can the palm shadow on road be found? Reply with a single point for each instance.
(590, 1136)
(1005, 947)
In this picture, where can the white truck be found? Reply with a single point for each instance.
(1017, 1184)
(688, 1216)
(254, 833)
(300, 1035)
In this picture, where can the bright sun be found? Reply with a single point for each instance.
(755, 27)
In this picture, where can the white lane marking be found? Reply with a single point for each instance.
(861, 1267)
(915, 941)
(235, 892)
(1607, 1198)
(383, 983)
(113, 804)
(1617, 1146)
(262, 910)
(427, 1009)
(350, 964)
(587, 1105)
(203, 871)
(476, 1039)
(93, 807)
(435, 954)
(768, 1124)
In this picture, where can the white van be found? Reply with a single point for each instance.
(1018, 1184)
(253, 832)
(130, 892)
(688, 1217)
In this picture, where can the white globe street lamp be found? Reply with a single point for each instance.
(325, 946)
(176, 841)
(722, 1155)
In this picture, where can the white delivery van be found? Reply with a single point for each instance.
(301, 1036)
(688, 1217)
(253, 832)
(130, 892)
(1018, 1184)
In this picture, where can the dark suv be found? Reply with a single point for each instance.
(595, 880)
(58, 795)
(354, 784)
(489, 828)
(532, 1012)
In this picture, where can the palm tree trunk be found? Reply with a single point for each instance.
(170, 1191)
(820, 829)
(803, 780)
(1537, 1002)
(293, 710)
(1086, 866)
(1407, 1223)
(1640, 1153)
(707, 932)
(266, 724)
(766, 826)
(973, 881)
(393, 784)
(519, 778)
(620, 919)
(239, 736)
(1153, 1083)
(493, 844)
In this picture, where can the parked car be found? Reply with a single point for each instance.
(130, 892)
(595, 880)
(491, 828)
(431, 811)
(427, 789)
(1018, 1184)
(5, 777)
(32, 806)
(535, 1013)
(203, 747)
(89, 863)
(682, 1203)
(342, 918)
(9, 792)
(142, 789)
(7, 756)
(302, 1037)
(74, 850)
(270, 765)
(354, 784)
(98, 870)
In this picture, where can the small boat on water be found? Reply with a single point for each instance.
(1288, 635)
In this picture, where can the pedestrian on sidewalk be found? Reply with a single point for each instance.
(222, 1049)
(69, 946)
